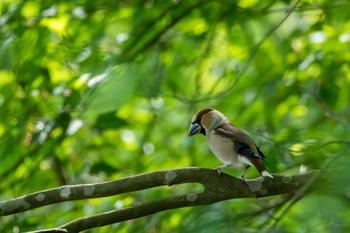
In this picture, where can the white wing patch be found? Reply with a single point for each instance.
(245, 160)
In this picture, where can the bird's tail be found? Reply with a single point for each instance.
(265, 173)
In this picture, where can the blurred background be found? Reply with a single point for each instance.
(92, 91)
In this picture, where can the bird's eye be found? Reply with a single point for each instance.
(199, 118)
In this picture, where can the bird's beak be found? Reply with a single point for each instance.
(194, 129)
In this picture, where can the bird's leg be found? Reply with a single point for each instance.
(218, 169)
(242, 176)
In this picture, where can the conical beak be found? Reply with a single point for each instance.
(194, 129)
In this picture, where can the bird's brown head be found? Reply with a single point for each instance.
(201, 121)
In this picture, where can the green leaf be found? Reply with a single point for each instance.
(110, 94)
(109, 120)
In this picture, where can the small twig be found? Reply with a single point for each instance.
(54, 230)
(255, 49)
(299, 193)
(242, 71)
(294, 198)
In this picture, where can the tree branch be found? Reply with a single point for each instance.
(216, 189)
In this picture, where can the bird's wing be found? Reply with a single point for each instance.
(260, 152)
(244, 145)
(245, 150)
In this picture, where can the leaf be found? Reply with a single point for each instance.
(109, 121)
(103, 167)
(111, 93)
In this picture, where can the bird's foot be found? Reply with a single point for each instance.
(243, 180)
(218, 170)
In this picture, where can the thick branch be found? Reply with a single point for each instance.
(216, 188)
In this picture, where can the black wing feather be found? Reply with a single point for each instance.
(244, 149)
(243, 143)
(261, 153)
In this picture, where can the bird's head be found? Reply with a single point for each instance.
(204, 120)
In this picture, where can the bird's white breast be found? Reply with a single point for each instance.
(224, 149)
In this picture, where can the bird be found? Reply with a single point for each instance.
(234, 148)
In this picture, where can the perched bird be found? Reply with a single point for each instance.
(229, 144)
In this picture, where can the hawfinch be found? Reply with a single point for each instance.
(229, 144)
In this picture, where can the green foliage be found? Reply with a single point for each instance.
(98, 90)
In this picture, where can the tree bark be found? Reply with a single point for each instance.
(216, 189)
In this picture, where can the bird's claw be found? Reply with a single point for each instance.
(243, 180)
(218, 170)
